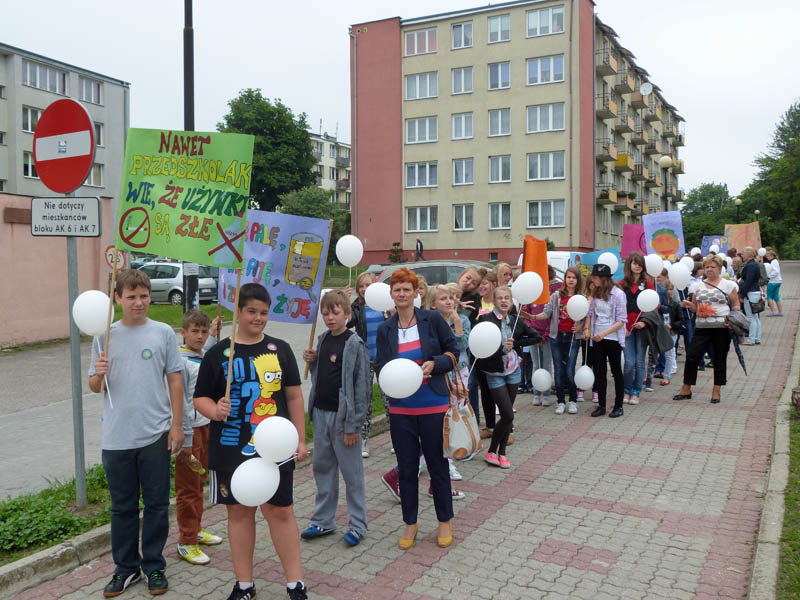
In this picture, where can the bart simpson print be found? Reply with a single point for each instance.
(268, 370)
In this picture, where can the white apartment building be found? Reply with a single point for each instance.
(333, 167)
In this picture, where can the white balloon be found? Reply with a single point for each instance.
(527, 288)
(276, 439)
(714, 248)
(653, 265)
(666, 264)
(584, 378)
(418, 301)
(255, 481)
(694, 251)
(762, 251)
(349, 250)
(542, 380)
(647, 300)
(484, 339)
(728, 260)
(688, 262)
(400, 378)
(679, 275)
(90, 312)
(378, 296)
(610, 259)
(519, 260)
(577, 307)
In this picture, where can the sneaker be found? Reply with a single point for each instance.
(595, 397)
(580, 396)
(504, 462)
(315, 531)
(616, 412)
(634, 400)
(454, 494)
(560, 408)
(208, 539)
(157, 583)
(353, 538)
(191, 553)
(647, 389)
(492, 459)
(626, 399)
(546, 401)
(298, 593)
(392, 450)
(119, 583)
(392, 481)
(537, 400)
(572, 408)
(454, 474)
(240, 594)
(365, 449)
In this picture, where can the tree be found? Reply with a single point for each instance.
(315, 202)
(282, 158)
(707, 209)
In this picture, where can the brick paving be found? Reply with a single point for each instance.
(664, 502)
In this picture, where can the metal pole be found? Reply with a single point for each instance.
(191, 281)
(75, 364)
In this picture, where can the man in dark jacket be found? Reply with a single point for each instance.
(750, 292)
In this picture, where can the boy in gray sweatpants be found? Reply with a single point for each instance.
(337, 405)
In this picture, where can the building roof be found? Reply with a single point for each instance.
(6, 49)
(467, 11)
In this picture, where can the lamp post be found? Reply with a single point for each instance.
(665, 162)
(757, 212)
(738, 203)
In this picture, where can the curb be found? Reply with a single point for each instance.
(764, 577)
(51, 562)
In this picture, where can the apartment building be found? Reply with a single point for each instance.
(29, 83)
(475, 127)
(333, 167)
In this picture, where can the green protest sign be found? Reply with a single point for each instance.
(184, 195)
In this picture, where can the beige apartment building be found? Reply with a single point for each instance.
(476, 127)
(333, 167)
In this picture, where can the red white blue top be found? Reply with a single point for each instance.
(425, 401)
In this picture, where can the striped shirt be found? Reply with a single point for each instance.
(373, 318)
(424, 401)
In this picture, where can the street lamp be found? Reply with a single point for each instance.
(738, 203)
(665, 162)
(757, 212)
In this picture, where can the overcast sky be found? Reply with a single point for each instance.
(729, 66)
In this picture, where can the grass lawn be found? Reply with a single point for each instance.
(173, 315)
(789, 570)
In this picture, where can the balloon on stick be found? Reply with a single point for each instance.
(484, 339)
(349, 250)
(694, 251)
(542, 380)
(528, 287)
(379, 296)
(610, 259)
(647, 300)
(584, 378)
(653, 264)
(276, 439)
(714, 249)
(666, 264)
(679, 275)
(688, 262)
(90, 312)
(255, 481)
(577, 307)
(400, 378)
(762, 251)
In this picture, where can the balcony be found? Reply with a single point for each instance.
(638, 208)
(605, 107)
(624, 203)
(653, 182)
(653, 112)
(605, 62)
(640, 172)
(318, 178)
(680, 196)
(624, 163)
(624, 123)
(606, 194)
(639, 101)
(678, 166)
(670, 129)
(653, 147)
(317, 154)
(679, 140)
(639, 136)
(343, 184)
(344, 205)
(342, 161)
(605, 151)
(624, 84)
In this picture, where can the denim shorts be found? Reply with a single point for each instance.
(496, 381)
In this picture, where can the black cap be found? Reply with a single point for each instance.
(601, 270)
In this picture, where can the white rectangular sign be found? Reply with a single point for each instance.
(65, 216)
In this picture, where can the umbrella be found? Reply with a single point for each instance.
(735, 339)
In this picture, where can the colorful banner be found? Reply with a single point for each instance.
(741, 236)
(184, 195)
(709, 240)
(286, 254)
(633, 240)
(663, 233)
(586, 260)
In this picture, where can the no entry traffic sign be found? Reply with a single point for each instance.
(63, 146)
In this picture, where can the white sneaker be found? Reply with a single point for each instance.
(647, 389)
(572, 408)
(560, 408)
(454, 474)
(595, 397)
(546, 401)
(537, 401)
(365, 449)
(580, 396)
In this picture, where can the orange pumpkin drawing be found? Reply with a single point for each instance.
(665, 242)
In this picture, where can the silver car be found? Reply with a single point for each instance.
(166, 282)
(436, 271)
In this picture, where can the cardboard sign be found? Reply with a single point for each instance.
(586, 260)
(632, 240)
(741, 236)
(709, 240)
(663, 234)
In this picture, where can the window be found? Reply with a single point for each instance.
(461, 35)
(99, 139)
(462, 80)
(422, 218)
(95, 176)
(320, 170)
(28, 166)
(462, 126)
(547, 69)
(89, 90)
(30, 118)
(499, 76)
(347, 196)
(422, 130)
(463, 171)
(499, 29)
(500, 215)
(500, 122)
(613, 223)
(603, 220)
(546, 21)
(424, 174)
(493, 257)
(2, 91)
(44, 77)
(546, 213)
(344, 152)
(333, 173)
(2, 185)
(463, 218)
(500, 169)
(319, 147)
(332, 151)
(546, 117)
(2, 138)
(421, 42)
(546, 165)
(422, 85)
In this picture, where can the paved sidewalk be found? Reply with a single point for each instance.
(663, 503)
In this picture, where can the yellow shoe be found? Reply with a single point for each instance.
(486, 433)
(445, 542)
(191, 553)
(208, 539)
(404, 543)
(510, 439)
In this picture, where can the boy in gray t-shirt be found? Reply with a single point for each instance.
(142, 425)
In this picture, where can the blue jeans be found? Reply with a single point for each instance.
(126, 470)
(754, 335)
(496, 381)
(565, 354)
(635, 367)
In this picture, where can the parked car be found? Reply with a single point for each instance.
(166, 282)
(436, 271)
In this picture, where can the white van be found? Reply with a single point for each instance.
(559, 260)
